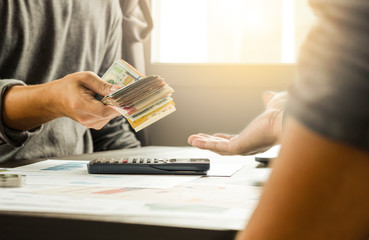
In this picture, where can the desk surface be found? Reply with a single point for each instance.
(215, 197)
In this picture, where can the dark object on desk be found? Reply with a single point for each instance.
(135, 165)
(12, 180)
(264, 160)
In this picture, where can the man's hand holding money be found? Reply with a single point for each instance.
(27, 107)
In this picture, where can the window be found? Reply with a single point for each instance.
(229, 31)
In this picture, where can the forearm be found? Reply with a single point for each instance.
(318, 190)
(27, 107)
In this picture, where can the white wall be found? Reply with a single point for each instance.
(214, 98)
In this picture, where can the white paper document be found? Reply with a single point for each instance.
(192, 205)
(64, 186)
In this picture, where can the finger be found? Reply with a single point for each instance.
(190, 139)
(215, 136)
(198, 138)
(98, 123)
(223, 135)
(93, 82)
(204, 137)
(90, 105)
(96, 111)
(211, 144)
(195, 136)
(267, 96)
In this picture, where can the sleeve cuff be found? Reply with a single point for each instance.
(10, 136)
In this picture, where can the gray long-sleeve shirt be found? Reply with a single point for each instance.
(331, 91)
(44, 40)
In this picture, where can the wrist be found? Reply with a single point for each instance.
(277, 125)
(51, 102)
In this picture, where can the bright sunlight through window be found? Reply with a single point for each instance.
(229, 31)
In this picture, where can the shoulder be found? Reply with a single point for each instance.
(331, 90)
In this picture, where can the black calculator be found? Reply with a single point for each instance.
(139, 165)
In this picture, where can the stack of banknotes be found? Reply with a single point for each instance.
(141, 100)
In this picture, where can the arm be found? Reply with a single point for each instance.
(26, 107)
(318, 190)
(261, 134)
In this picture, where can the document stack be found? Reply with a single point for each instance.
(141, 100)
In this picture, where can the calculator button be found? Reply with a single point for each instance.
(100, 160)
(142, 160)
(148, 160)
(162, 160)
(134, 160)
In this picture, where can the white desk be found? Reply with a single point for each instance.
(203, 208)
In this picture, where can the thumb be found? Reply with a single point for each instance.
(99, 86)
(267, 96)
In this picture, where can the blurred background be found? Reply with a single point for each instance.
(220, 56)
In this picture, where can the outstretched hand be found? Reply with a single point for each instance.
(261, 134)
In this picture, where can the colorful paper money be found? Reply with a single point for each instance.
(142, 100)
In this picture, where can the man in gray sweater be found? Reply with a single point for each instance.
(51, 56)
